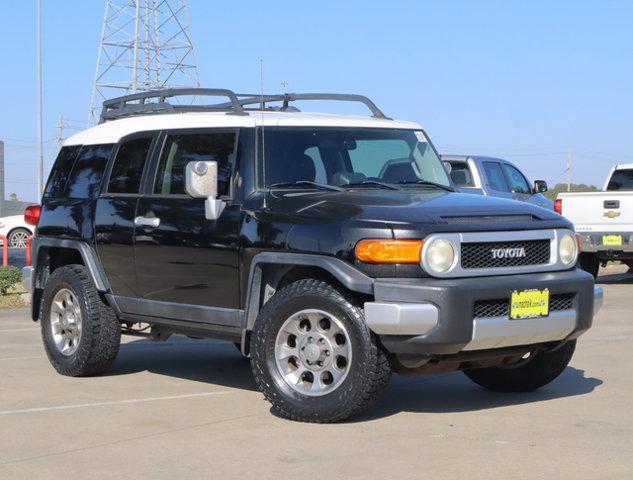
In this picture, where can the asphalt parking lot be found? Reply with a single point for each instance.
(189, 408)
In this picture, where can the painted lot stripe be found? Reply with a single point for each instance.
(8, 330)
(113, 402)
(22, 358)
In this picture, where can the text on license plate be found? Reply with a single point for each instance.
(612, 240)
(529, 304)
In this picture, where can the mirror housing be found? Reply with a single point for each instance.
(201, 181)
(540, 186)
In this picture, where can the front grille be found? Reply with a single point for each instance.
(482, 255)
(501, 308)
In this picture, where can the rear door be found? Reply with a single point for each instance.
(116, 210)
(183, 260)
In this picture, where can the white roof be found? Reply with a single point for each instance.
(114, 130)
(624, 166)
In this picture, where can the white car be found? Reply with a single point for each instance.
(16, 230)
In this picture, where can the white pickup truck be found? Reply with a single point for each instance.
(604, 220)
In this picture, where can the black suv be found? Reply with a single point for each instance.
(331, 249)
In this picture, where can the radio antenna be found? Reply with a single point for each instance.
(262, 106)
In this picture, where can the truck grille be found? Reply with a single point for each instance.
(505, 254)
(501, 308)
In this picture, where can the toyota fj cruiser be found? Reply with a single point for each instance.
(332, 249)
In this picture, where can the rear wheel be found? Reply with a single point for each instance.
(80, 332)
(530, 373)
(313, 356)
(589, 262)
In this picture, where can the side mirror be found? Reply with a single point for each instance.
(201, 181)
(540, 186)
(448, 166)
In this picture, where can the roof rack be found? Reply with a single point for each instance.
(138, 104)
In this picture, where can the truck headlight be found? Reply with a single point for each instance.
(439, 255)
(568, 249)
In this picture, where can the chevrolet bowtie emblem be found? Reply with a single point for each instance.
(611, 214)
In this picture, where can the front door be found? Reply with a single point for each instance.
(183, 260)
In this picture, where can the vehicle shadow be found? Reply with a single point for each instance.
(454, 392)
(207, 361)
(219, 363)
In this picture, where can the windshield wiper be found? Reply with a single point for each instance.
(306, 183)
(371, 183)
(426, 182)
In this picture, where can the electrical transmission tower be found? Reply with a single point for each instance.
(145, 45)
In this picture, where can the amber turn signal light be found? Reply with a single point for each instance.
(389, 251)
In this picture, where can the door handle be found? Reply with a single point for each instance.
(147, 222)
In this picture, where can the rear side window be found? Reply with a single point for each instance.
(128, 166)
(60, 171)
(460, 174)
(85, 177)
(184, 148)
(621, 180)
(496, 179)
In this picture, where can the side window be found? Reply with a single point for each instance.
(460, 174)
(85, 177)
(60, 171)
(315, 155)
(370, 156)
(518, 183)
(128, 166)
(496, 179)
(622, 179)
(181, 149)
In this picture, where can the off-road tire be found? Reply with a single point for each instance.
(369, 369)
(101, 332)
(538, 370)
(589, 262)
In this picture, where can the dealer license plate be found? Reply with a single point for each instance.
(612, 240)
(529, 304)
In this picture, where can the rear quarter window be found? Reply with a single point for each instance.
(84, 180)
(60, 171)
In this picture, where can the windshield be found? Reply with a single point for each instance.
(348, 157)
(622, 179)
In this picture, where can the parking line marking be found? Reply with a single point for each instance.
(6, 330)
(22, 358)
(113, 402)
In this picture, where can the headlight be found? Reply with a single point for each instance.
(568, 249)
(439, 255)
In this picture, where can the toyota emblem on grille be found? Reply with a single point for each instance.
(515, 252)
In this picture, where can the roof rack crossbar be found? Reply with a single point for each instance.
(246, 99)
(136, 103)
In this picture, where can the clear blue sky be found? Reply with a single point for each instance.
(523, 80)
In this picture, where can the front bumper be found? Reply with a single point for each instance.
(431, 316)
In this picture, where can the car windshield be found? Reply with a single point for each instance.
(622, 179)
(351, 158)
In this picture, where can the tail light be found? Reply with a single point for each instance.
(558, 206)
(32, 214)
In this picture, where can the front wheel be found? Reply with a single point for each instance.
(314, 357)
(534, 371)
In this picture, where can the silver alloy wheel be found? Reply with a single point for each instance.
(313, 352)
(18, 239)
(66, 321)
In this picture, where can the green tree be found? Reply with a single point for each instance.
(553, 192)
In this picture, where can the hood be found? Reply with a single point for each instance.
(412, 208)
